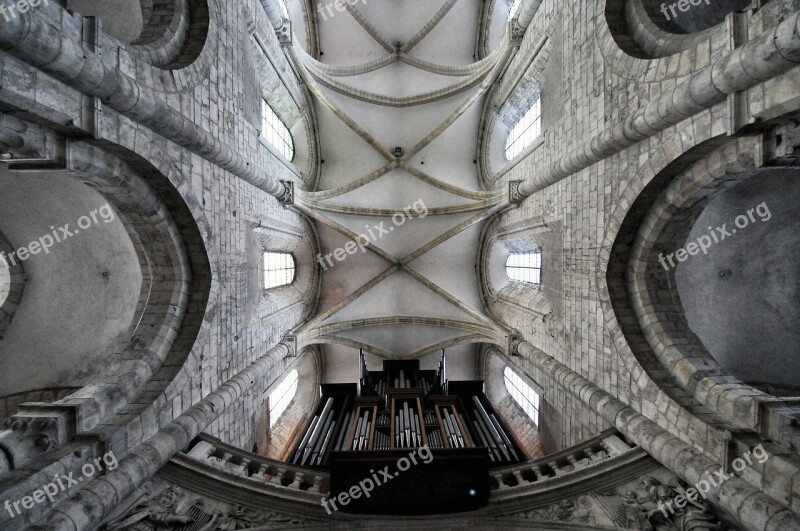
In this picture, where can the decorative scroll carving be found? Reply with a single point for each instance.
(564, 511)
(287, 198)
(28, 437)
(514, 197)
(284, 33)
(647, 504)
(515, 31)
(160, 506)
(514, 340)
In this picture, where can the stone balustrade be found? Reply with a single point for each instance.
(214, 453)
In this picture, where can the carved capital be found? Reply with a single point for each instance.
(287, 198)
(515, 31)
(514, 196)
(291, 343)
(284, 33)
(26, 146)
(514, 341)
(28, 437)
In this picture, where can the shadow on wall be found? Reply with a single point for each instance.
(741, 298)
(81, 295)
(690, 16)
(122, 19)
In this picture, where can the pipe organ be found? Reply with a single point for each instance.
(391, 412)
(404, 407)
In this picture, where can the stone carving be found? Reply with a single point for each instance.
(514, 341)
(155, 514)
(240, 517)
(28, 437)
(694, 516)
(646, 509)
(284, 33)
(161, 507)
(564, 511)
(287, 198)
(514, 197)
(515, 31)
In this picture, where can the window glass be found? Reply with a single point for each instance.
(278, 269)
(275, 132)
(525, 131)
(522, 394)
(525, 267)
(281, 397)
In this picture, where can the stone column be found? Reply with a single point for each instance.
(32, 38)
(87, 508)
(772, 53)
(754, 509)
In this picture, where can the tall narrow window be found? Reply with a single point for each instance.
(278, 269)
(525, 131)
(522, 394)
(525, 267)
(281, 397)
(275, 132)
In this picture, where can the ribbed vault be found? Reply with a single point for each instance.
(399, 207)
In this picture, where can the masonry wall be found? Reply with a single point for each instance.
(592, 89)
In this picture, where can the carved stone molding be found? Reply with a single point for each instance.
(25, 146)
(514, 195)
(290, 341)
(646, 503)
(284, 33)
(287, 198)
(160, 505)
(515, 31)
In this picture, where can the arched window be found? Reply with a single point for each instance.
(275, 132)
(525, 267)
(280, 398)
(278, 269)
(522, 394)
(525, 131)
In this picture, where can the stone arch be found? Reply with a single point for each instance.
(175, 48)
(539, 304)
(668, 224)
(282, 437)
(664, 370)
(491, 364)
(636, 49)
(302, 243)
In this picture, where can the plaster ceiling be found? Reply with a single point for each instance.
(415, 288)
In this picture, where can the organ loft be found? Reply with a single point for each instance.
(399, 264)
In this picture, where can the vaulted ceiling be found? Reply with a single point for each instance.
(399, 75)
